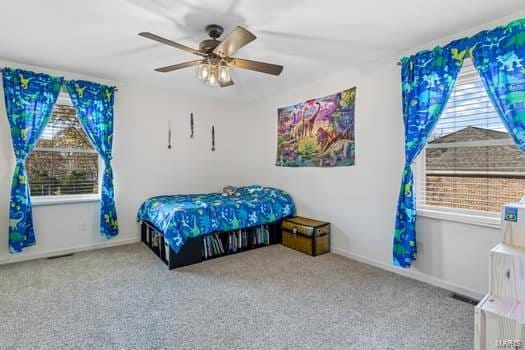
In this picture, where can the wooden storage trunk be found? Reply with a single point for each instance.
(306, 235)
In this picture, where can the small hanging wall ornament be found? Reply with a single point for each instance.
(191, 125)
(169, 134)
(213, 138)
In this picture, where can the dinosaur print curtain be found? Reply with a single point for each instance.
(427, 81)
(94, 105)
(499, 57)
(29, 99)
(428, 78)
(318, 132)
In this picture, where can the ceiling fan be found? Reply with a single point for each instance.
(216, 56)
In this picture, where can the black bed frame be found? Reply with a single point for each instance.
(191, 252)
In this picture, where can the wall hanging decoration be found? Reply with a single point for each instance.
(191, 125)
(213, 138)
(169, 134)
(318, 132)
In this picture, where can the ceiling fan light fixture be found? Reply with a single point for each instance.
(224, 73)
(213, 78)
(215, 61)
(203, 72)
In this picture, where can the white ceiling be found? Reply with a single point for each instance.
(310, 38)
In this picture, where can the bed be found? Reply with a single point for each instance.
(182, 217)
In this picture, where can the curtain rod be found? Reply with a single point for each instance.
(114, 87)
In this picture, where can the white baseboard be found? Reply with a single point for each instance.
(79, 248)
(414, 274)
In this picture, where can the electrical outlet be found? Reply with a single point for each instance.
(83, 226)
(420, 248)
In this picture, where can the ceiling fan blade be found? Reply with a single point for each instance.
(226, 84)
(179, 66)
(238, 38)
(171, 43)
(262, 67)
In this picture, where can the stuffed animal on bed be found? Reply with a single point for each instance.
(230, 191)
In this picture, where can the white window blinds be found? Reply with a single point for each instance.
(63, 162)
(470, 161)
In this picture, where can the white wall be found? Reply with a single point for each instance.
(142, 164)
(360, 201)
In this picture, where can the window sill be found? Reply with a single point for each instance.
(483, 220)
(69, 199)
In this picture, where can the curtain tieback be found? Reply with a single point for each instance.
(407, 167)
(107, 161)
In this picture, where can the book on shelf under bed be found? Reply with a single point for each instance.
(212, 245)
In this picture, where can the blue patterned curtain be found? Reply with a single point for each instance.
(499, 57)
(29, 99)
(427, 81)
(94, 105)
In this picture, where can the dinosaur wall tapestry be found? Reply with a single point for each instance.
(318, 132)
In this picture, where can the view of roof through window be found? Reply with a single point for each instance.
(470, 161)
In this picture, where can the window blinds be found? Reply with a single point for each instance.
(470, 161)
(63, 162)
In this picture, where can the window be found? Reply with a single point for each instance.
(470, 164)
(63, 162)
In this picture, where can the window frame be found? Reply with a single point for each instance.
(64, 99)
(465, 216)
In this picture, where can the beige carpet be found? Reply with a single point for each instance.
(270, 298)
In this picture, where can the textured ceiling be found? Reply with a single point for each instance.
(310, 38)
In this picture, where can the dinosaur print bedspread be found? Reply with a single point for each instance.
(180, 217)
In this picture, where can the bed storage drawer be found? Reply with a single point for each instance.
(190, 252)
(154, 240)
